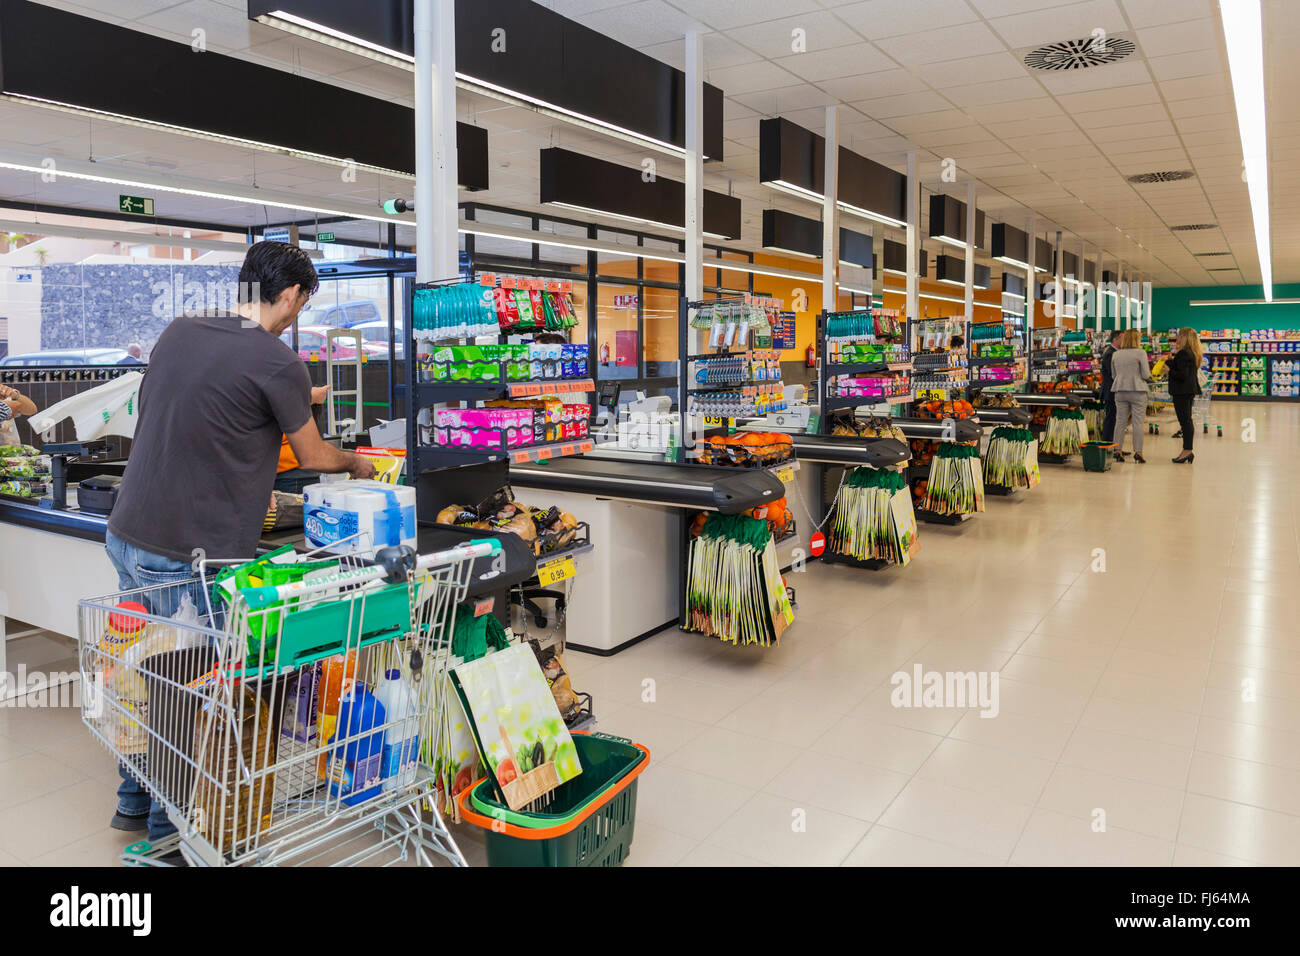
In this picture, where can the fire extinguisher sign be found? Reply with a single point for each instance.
(783, 331)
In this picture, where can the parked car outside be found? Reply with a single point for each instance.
(376, 335)
(311, 345)
(102, 356)
(339, 315)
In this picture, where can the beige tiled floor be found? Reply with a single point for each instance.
(1148, 714)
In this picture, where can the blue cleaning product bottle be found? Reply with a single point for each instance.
(356, 771)
(402, 735)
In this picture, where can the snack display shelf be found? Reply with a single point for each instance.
(849, 368)
(831, 403)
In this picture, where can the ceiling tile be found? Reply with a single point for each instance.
(1179, 66)
(904, 104)
(877, 19)
(1185, 37)
(873, 85)
(1145, 13)
(944, 43)
(730, 14)
(821, 31)
(994, 92)
(1073, 22)
(751, 77)
(841, 61)
(1115, 75)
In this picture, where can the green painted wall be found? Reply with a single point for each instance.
(1169, 308)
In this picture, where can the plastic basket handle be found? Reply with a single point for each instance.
(613, 737)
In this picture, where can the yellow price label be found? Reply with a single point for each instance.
(712, 421)
(556, 571)
(785, 474)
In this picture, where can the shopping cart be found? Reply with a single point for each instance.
(247, 721)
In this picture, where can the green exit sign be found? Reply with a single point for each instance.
(136, 205)
(324, 237)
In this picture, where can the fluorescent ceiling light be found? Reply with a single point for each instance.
(1012, 262)
(634, 219)
(805, 193)
(1211, 302)
(1243, 35)
(311, 30)
(792, 252)
(256, 196)
(202, 134)
(70, 231)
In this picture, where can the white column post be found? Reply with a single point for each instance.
(426, 269)
(913, 237)
(830, 218)
(447, 214)
(1079, 288)
(694, 166)
(970, 251)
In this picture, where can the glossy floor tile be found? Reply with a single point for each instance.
(1141, 623)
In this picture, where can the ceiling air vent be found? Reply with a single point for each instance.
(1194, 227)
(1206, 255)
(1224, 269)
(1079, 54)
(1163, 176)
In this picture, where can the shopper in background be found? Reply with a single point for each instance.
(1107, 395)
(1130, 373)
(955, 343)
(221, 390)
(134, 355)
(1184, 385)
(12, 404)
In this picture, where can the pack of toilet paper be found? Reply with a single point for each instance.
(345, 517)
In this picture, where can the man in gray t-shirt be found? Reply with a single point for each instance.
(220, 391)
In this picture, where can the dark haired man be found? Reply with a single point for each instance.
(1105, 394)
(221, 390)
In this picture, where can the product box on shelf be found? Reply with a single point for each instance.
(350, 516)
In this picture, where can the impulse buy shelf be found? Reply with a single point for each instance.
(535, 394)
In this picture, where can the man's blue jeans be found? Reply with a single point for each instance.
(143, 569)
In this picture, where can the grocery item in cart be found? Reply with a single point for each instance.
(401, 747)
(355, 769)
(350, 516)
(228, 819)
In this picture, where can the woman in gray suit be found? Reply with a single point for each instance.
(1131, 372)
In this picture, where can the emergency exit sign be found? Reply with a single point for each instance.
(135, 205)
(324, 237)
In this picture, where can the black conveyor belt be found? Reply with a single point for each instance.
(989, 417)
(1056, 399)
(967, 429)
(846, 450)
(727, 490)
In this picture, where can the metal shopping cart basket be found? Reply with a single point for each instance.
(247, 720)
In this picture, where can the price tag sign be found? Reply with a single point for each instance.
(817, 544)
(711, 421)
(484, 606)
(785, 474)
(487, 279)
(555, 571)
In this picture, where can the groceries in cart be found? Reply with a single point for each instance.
(302, 714)
(350, 516)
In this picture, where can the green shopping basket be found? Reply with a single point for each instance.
(589, 822)
(1097, 455)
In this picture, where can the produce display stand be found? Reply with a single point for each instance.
(763, 477)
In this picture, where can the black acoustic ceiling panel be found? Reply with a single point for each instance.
(1109, 278)
(793, 156)
(785, 232)
(111, 69)
(1013, 284)
(894, 258)
(1043, 258)
(949, 269)
(983, 277)
(526, 48)
(1089, 272)
(1069, 264)
(1010, 243)
(948, 219)
(594, 184)
(855, 248)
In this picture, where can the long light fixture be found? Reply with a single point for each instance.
(1214, 302)
(96, 173)
(69, 231)
(804, 193)
(1243, 34)
(311, 30)
(940, 298)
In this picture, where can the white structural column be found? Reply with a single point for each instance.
(913, 237)
(425, 267)
(694, 167)
(830, 219)
(1146, 304)
(970, 251)
(1081, 289)
(1122, 303)
(436, 239)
